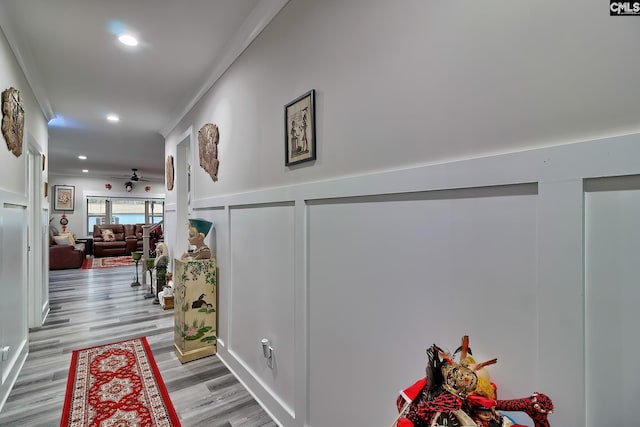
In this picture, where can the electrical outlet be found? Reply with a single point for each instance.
(265, 347)
(270, 359)
(267, 352)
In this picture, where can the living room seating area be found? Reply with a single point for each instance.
(66, 252)
(120, 239)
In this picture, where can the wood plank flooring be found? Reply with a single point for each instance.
(92, 307)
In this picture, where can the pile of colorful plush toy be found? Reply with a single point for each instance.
(461, 394)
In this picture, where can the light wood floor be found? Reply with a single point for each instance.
(92, 307)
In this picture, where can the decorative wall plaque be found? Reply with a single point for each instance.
(208, 138)
(13, 120)
(168, 168)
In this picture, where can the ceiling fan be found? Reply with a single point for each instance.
(135, 177)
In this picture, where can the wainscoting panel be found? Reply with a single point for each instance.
(612, 269)
(353, 278)
(13, 287)
(430, 267)
(261, 299)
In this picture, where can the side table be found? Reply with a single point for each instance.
(88, 245)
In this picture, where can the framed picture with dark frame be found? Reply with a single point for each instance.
(64, 197)
(300, 129)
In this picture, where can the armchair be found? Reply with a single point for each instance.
(65, 256)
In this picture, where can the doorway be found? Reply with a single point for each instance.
(184, 189)
(37, 235)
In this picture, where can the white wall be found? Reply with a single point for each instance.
(418, 82)
(16, 202)
(391, 240)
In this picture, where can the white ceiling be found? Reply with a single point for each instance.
(80, 72)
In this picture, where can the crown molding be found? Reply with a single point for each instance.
(258, 19)
(23, 56)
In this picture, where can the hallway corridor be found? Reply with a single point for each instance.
(92, 307)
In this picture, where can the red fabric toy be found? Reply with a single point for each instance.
(446, 396)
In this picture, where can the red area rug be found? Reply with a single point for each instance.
(108, 262)
(117, 384)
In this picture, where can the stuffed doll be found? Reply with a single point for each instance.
(438, 399)
(462, 394)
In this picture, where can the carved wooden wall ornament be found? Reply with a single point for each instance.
(208, 138)
(13, 120)
(168, 167)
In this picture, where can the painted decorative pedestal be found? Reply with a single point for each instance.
(195, 304)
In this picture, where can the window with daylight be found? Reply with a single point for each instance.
(155, 211)
(128, 211)
(123, 210)
(96, 212)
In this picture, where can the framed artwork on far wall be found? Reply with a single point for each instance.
(64, 197)
(300, 129)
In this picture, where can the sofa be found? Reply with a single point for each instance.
(64, 252)
(116, 239)
(119, 239)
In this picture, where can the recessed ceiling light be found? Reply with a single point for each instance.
(85, 170)
(113, 118)
(128, 40)
(82, 157)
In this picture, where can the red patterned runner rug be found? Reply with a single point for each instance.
(108, 262)
(117, 384)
